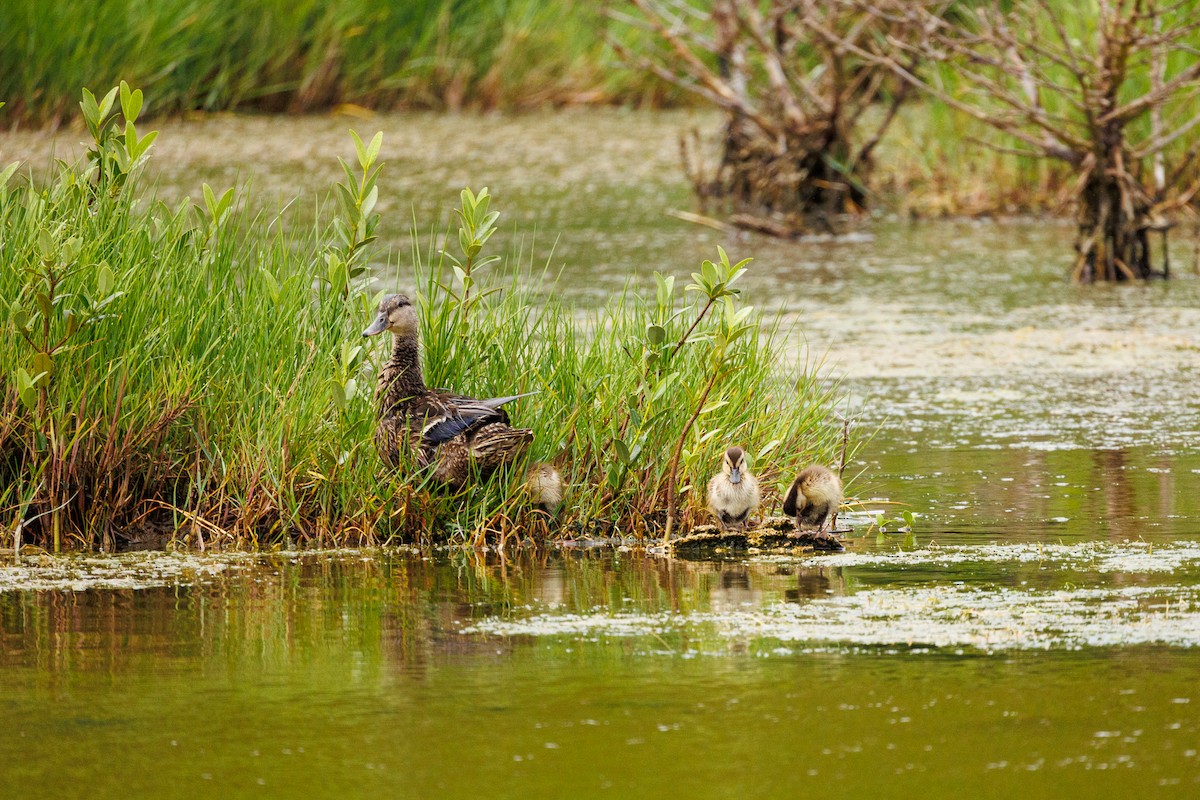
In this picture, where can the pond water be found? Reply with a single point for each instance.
(1039, 634)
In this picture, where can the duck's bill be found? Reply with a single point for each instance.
(376, 327)
(735, 475)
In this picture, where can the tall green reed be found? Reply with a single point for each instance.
(308, 54)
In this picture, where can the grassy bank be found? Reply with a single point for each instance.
(198, 372)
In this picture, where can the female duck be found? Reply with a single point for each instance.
(452, 432)
(733, 492)
(815, 496)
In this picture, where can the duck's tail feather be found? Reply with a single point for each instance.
(496, 444)
(496, 402)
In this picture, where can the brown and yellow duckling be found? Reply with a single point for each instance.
(451, 432)
(814, 498)
(733, 493)
(545, 486)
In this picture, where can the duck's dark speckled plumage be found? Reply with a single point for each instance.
(449, 431)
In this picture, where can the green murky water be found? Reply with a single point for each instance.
(1040, 637)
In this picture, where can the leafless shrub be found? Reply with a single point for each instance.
(794, 79)
(1110, 93)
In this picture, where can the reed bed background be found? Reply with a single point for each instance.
(197, 373)
(510, 55)
(304, 55)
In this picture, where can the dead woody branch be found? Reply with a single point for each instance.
(796, 145)
(1111, 93)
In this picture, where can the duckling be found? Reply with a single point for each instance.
(449, 431)
(815, 495)
(733, 492)
(545, 486)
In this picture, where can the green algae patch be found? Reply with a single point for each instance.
(145, 570)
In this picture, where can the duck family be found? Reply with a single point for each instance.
(461, 438)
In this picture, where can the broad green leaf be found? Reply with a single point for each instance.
(144, 144)
(351, 180)
(107, 103)
(46, 245)
(19, 316)
(131, 102)
(91, 110)
(225, 203)
(7, 173)
(210, 201)
(368, 203)
(70, 249)
(373, 149)
(43, 364)
(359, 149)
(104, 280)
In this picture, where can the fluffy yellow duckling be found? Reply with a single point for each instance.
(733, 493)
(545, 485)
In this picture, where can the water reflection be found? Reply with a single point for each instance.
(354, 670)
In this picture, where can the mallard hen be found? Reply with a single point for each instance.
(733, 493)
(814, 497)
(451, 432)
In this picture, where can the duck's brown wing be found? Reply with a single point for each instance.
(454, 414)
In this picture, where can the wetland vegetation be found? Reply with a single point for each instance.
(1036, 634)
(195, 372)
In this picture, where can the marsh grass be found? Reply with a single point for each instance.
(196, 374)
(303, 55)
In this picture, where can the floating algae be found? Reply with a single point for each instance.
(939, 617)
(954, 615)
(145, 570)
